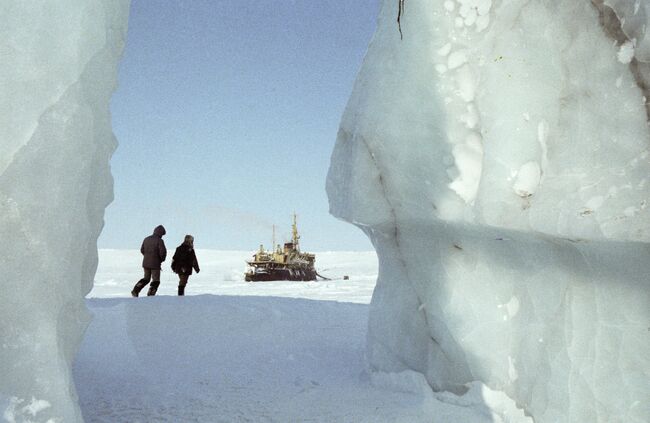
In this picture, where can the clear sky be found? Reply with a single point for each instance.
(226, 115)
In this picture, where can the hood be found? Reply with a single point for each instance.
(160, 231)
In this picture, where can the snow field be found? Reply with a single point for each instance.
(222, 273)
(257, 352)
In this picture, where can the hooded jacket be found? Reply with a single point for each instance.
(184, 260)
(153, 249)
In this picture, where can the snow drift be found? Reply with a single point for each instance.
(57, 73)
(498, 158)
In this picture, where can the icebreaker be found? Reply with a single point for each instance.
(57, 73)
(498, 156)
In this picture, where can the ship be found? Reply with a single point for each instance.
(286, 263)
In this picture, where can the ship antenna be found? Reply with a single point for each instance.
(273, 239)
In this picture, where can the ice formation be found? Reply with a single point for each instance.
(498, 157)
(634, 18)
(57, 73)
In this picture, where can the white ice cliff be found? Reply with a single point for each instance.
(498, 157)
(58, 69)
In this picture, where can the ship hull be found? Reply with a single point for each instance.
(297, 275)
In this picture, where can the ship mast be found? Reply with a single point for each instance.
(273, 240)
(294, 232)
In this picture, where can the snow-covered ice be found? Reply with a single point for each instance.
(244, 356)
(222, 273)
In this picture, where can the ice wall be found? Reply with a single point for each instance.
(57, 71)
(498, 158)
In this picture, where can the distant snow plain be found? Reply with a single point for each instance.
(222, 273)
(232, 351)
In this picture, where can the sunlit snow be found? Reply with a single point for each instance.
(236, 351)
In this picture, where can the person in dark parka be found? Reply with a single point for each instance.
(184, 261)
(154, 253)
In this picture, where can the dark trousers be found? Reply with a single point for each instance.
(182, 281)
(152, 275)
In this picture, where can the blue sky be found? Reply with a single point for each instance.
(226, 115)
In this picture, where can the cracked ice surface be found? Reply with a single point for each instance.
(57, 73)
(498, 158)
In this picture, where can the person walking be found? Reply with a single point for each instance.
(154, 253)
(184, 261)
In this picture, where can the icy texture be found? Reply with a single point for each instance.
(498, 158)
(634, 16)
(57, 72)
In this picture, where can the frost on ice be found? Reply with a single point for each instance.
(498, 158)
(57, 73)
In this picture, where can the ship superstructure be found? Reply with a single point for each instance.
(286, 263)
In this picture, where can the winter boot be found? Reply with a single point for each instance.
(153, 288)
(138, 287)
(181, 290)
